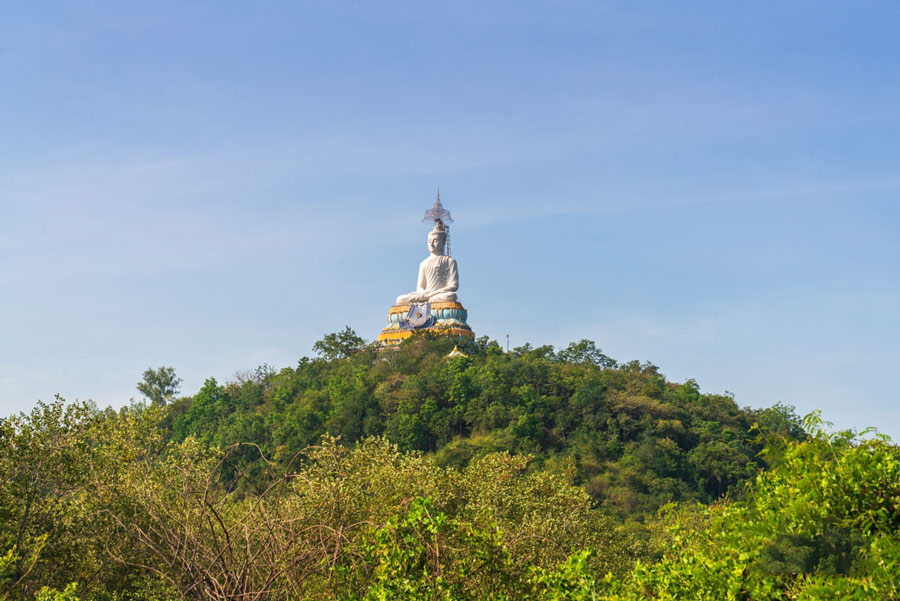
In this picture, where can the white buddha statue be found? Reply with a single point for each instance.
(438, 277)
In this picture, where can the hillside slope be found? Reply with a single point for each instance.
(634, 440)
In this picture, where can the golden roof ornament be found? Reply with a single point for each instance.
(456, 353)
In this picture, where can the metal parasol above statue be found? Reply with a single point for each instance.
(433, 305)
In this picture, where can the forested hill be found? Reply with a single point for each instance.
(632, 439)
(530, 475)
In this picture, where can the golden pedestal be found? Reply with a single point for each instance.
(449, 320)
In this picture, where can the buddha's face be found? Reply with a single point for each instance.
(436, 244)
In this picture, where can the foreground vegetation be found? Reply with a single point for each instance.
(526, 475)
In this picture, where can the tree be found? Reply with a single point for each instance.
(821, 523)
(338, 345)
(42, 457)
(586, 351)
(160, 385)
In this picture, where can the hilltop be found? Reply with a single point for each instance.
(632, 439)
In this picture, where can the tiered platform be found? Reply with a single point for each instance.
(449, 320)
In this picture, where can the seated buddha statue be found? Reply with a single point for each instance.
(438, 277)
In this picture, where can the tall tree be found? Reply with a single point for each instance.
(160, 385)
(338, 345)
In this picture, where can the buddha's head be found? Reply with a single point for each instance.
(437, 240)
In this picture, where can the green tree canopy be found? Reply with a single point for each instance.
(338, 345)
(160, 385)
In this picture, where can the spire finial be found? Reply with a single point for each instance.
(437, 211)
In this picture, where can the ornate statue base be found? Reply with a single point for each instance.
(447, 319)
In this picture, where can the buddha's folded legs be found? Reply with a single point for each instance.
(444, 297)
(424, 297)
(412, 297)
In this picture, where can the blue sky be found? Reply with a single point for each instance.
(709, 186)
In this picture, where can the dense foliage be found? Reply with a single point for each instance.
(532, 474)
(823, 523)
(633, 440)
